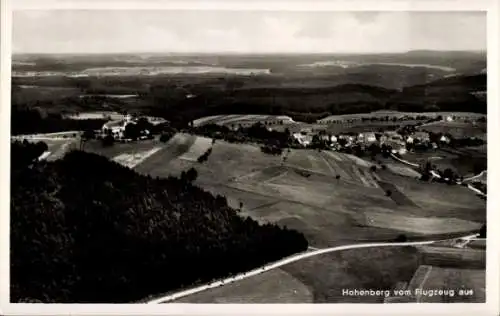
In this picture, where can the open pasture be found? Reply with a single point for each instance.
(132, 160)
(95, 146)
(439, 199)
(453, 257)
(304, 194)
(418, 225)
(58, 148)
(199, 147)
(456, 129)
(158, 164)
(321, 279)
(432, 277)
(228, 162)
(371, 268)
(403, 170)
(348, 167)
(275, 286)
(395, 194)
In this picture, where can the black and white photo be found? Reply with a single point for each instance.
(164, 156)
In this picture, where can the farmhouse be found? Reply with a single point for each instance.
(303, 139)
(421, 136)
(117, 128)
(367, 138)
(444, 139)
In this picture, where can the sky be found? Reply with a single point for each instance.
(169, 31)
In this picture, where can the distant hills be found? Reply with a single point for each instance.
(305, 87)
(448, 94)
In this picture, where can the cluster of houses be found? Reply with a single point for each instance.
(393, 139)
(116, 128)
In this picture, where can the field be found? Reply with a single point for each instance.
(457, 129)
(461, 162)
(132, 160)
(472, 258)
(302, 192)
(431, 277)
(275, 286)
(438, 200)
(321, 279)
(236, 119)
(403, 170)
(366, 127)
(57, 147)
(199, 147)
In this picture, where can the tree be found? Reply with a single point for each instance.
(373, 168)
(191, 175)
(88, 134)
(388, 192)
(401, 238)
(132, 131)
(108, 141)
(143, 124)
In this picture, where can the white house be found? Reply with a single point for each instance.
(117, 128)
(444, 139)
(367, 137)
(304, 140)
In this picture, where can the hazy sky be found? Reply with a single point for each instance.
(105, 31)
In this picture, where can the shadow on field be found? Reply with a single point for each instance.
(396, 195)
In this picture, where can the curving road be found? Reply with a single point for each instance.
(479, 175)
(436, 175)
(291, 259)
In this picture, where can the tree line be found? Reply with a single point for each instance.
(31, 121)
(88, 230)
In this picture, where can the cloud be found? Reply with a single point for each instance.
(80, 31)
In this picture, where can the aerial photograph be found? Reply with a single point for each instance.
(215, 156)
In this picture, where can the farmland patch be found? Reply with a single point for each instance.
(132, 160)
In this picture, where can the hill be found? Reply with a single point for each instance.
(87, 230)
(447, 94)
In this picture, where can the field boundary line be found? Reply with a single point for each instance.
(356, 171)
